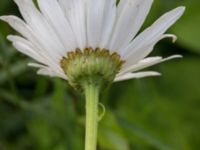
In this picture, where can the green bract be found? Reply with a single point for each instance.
(97, 66)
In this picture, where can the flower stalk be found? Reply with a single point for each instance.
(92, 99)
(90, 71)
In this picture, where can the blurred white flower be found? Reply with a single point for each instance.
(57, 27)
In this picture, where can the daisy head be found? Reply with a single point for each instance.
(93, 40)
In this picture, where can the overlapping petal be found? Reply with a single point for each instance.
(56, 27)
(130, 19)
(143, 44)
(137, 75)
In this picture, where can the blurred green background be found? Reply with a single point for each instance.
(162, 113)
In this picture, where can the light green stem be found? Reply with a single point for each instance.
(92, 99)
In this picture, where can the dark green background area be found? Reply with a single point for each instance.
(161, 113)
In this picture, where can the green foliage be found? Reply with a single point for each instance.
(41, 113)
(188, 27)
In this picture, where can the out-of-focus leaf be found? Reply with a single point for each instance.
(187, 29)
(111, 136)
(15, 70)
(64, 108)
(135, 133)
(7, 51)
(164, 107)
(45, 135)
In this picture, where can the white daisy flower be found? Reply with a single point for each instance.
(57, 32)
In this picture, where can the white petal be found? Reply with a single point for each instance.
(37, 47)
(27, 32)
(121, 5)
(172, 36)
(76, 14)
(55, 16)
(108, 23)
(55, 29)
(42, 30)
(36, 65)
(147, 62)
(130, 20)
(25, 47)
(143, 44)
(137, 75)
(51, 73)
(46, 71)
(17, 24)
(21, 27)
(140, 53)
(28, 48)
(95, 14)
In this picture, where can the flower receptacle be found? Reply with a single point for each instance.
(90, 66)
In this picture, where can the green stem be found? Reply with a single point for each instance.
(92, 99)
